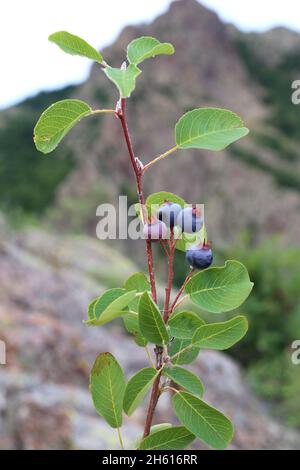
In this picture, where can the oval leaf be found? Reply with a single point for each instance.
(91, 306)
(155, 428)
(131, 322)
(123, 79)
(57, 121)
(220, 289)
(185, 379)
(151, 323)
(106, 299)
(157, 199)
(137, 388)
(209, 128)
(171, 438)
(109, 306)
(207, 423)
(160, 427)
(74, 45)
(138, 282)
(145, 47)
(182, 351)
(107, 386)
(184, 324)
(221, 336)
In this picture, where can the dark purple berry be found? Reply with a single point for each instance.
(199, 257)
(168, 213)
(190, 220)
(156, 230)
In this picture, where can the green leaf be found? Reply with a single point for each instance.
(109, 306)
(154, 429)
(151, 323)
(111, 303)
(189, 239)
(171, 438)
(107, 386)
(74, 45)
(133, 306)
(209, 128)
(123, 79)
(57, 121)
(106, 299)
(157, 199)
(145, 47)
(207, 423)
(184, 324)
(137, 388)
(91, 306)
(221, 336)
(183, 350)
(131, 322)
(159, 427)
(138, 282)
(220, 289)
(185, 379)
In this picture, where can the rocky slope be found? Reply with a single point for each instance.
(45, 285)
(271, 46)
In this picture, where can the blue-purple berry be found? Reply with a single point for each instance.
(168, 213)
(190, 220)
(199, 257)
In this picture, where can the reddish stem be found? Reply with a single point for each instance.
(151, 269)
(138, 171)
(163, 245)
(181, 290)
(159, 350)
(170, 277)
(152, 405)
(121, 113)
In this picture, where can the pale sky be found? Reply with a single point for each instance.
(29, 63)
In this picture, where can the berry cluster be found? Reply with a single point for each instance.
(188, 220)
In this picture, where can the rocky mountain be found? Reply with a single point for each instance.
(205, 71)
(46, 283)
(270, 46)
(254, 185)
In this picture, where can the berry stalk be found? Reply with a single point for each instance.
(170, 276)
(181, 290)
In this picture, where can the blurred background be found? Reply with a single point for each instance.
(236, 55)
